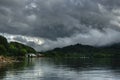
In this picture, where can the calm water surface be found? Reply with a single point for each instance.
(62, 69)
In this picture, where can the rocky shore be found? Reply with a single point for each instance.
(7, 59)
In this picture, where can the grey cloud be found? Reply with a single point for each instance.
(94, 37)
(61, 21)
(12, 3)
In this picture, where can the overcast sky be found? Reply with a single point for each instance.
(47, 24)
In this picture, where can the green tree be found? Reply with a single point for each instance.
(3, 41)
(23, 52)
(3, 50)
(13, 50)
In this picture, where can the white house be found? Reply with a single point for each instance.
(30, 55)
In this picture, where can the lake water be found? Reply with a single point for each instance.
(62, 69)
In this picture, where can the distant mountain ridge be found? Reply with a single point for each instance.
(86, 50)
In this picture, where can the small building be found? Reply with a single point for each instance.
(30, 55)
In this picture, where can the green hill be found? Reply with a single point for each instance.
(79, 50)
(14, 48)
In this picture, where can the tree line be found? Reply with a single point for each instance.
(79, 50)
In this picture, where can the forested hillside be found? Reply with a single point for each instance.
(79, 50)
(14, 48)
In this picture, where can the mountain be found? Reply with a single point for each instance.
(80, 50)
(14, 48)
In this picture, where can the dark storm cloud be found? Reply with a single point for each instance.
(61, 22)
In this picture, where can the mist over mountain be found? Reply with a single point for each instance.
(47, 24)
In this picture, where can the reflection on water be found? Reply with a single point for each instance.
(62, 69)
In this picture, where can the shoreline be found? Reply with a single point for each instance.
(4, 59)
